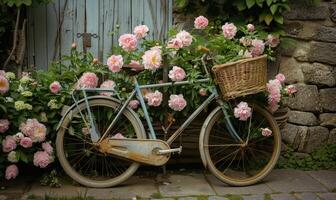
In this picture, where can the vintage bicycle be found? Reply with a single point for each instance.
(234, 151)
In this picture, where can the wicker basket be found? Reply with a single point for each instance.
(243, 77)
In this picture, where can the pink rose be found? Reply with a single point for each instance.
(42, 159)
(118, 136)
(152, 59)
(245, 41)
(55, 87)
(154, 98)
(108, 84)
(176, 74)
(140, 31)
(34, 129)
(203, 92)
(4, 85)
(242, 111)
(266, 132)
(4, 125)
(291, 89)
(250, 27)
(229, 30)
(128, 42)
(26, 142)
(185, 37)
(177, 102)
(272, 41)
(280, 77)
(8, 144)
(201, 22)
(11, 172)
(134, 104)
(18, 137)
(46, 146)
(88, 80)
(175, 43)
(258, 47)
(115, 63)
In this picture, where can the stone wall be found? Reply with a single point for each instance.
(309, 62)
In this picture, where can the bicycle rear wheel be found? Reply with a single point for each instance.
(240, 163)
(81, 159)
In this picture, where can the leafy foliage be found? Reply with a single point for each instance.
(19, 3)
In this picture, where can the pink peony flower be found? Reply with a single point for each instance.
(115, 63)
(118, 136)
(175, 43)
(88, 80)
(242, 111)
(134, 104)
(18, 137)
(258, 47)
(135, 65)
(140, 31)
(152, 59)
(4, 85)
(11, 172)
(201, 22)
(273, 87)
(26, 142)
(250, 27)
(55, 87)
(245, 41)
(280, 77)
(272, 41)
(291, 89)
(4, 125)
(229, 30)
(42, 159)
(34, 129)
(185, 37)
(8, 144)
(177, 102)
(177, 74)
(203, 92)
(154, 98)
(108, 84)
(46, 146)
(128, 42)
(266, 132)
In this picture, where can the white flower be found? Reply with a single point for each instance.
(9, 100)
(12, 157)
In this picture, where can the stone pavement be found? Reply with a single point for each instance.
(281, 184)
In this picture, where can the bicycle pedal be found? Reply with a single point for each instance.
(169, 151)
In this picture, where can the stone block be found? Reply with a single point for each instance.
(302, 30)
(317, 137)
(328, 99)
(291, 69)
(327, 196)
(307, 196)
(326, 177)
(302, 118)
(323, 52)
(319, 74)
(328, 120)
(306, 98)
(301, 52)
(294, 134)
(305, 11)
(325, 34)
(295, 48)
(332, 136)
(282, 197)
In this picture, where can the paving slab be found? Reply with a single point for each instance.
(307, 196)
(326, 177)
(135, 186)
(287, 180)
(217, 198)
(327, 196)
(224, 189)
(282, 197)
(185, 185)
(187, 198)
(63, 191)
(255, 197)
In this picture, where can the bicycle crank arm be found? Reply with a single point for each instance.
(138, 150)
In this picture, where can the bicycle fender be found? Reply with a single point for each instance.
(201, 138)
(69, 110)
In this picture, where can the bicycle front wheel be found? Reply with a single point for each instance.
(240, 163)
(81, 159)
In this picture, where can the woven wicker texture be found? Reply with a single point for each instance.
(243, 77)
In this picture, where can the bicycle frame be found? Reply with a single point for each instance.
(95, 136)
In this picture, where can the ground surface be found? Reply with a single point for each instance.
(279, 185)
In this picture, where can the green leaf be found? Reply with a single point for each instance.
(274, 8)
(240, 5)
(250, 3)
(279, 19)
(267, 17)
(269, 2)
(260, 3)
